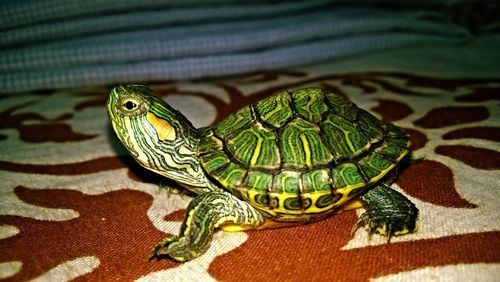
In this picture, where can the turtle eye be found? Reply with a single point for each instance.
(132, 106)
(129, 105)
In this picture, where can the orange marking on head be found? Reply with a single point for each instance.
(164, 130)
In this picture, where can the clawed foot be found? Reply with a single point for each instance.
(204, 214)
(177, 248)
(387, 225)
(172, 247)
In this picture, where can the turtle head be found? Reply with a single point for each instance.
(158, 137)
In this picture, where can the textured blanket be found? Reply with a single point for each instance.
(75, 205)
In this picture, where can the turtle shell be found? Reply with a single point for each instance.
(301, 154)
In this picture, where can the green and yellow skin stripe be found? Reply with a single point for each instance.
(205, 213)
(288, 159)
(155, 137)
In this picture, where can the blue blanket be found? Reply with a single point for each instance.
(69, 43)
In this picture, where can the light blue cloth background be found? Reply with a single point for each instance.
(72, 43)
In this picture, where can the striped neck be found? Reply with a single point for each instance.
(158, 137)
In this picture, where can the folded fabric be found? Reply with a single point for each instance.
(105, 44)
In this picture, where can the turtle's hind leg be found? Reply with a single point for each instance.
(204, 214)
(388, 212)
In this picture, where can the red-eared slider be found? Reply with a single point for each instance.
(291, 158)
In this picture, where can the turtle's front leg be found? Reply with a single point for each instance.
(205, 213)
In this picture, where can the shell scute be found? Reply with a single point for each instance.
(258, 184)
(301, 145)
(374, 165)
(230, 176)
(391, 151)
(343, 106)
(310, 104)
(347, 175)
(260, 199)
(343, 138)
(233, 122)
(259, 181)
(285, 193)
(326, 201)
(255, 147)
(276, 111)
(287, 181)
(396, 136)
(292, 203)
(317, 180)
(370, 126)
(214, 161)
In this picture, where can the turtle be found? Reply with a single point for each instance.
(292, 158)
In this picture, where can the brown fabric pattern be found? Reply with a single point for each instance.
(74, 204)
(122, 245)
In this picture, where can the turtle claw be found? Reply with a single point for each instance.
(356, 226)
(162, 248)
(388, 234)
(154, 253)
(176, 248)
(387, 226)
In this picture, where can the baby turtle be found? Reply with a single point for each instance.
(294, 157)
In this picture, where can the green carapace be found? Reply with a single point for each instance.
(292, 158)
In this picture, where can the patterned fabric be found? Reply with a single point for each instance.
(56, 44)
(75, 204)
